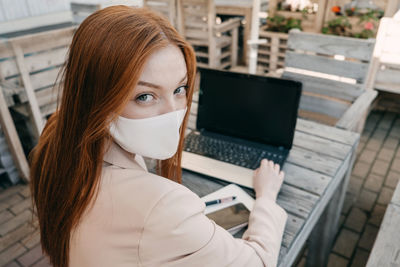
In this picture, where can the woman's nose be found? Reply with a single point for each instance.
(170, 105)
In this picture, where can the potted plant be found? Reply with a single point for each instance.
(307, 10)
(353, 22)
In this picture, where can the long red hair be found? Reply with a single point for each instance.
(105, 60)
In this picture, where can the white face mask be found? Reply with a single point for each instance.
(155, 137)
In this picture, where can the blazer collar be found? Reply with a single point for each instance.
(116, 155)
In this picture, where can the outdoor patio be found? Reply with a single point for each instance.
(346, 55)
(374, 177)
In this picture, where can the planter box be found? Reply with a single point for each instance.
(312, 23)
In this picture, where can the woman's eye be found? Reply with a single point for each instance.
(181, 90)
(144, 98)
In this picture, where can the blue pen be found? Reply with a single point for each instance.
(221, 200)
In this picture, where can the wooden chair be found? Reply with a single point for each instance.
(384, 73)
(216, 45)
(165, 7)
(333, 72)
(29, 67)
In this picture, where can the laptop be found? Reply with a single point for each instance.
(241, 119)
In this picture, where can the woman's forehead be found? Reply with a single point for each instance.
(165, 67)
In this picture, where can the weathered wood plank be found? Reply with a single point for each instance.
(300, 177)
(386, 249)
(317, 117)
(44, 78)
(388, 79)
(332, 45)
(340, 90)
(36, 115)
(8, 127)
(293, 226)
(296, 201)
(327, 132)
(49, 58)
(35, 62)
(396, 196)
(319, 104)
(40, 41)
(321, 145)
(323, 64)
(8, 67)
(355, 113)
(314, 161)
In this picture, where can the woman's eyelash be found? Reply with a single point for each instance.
(143, 97)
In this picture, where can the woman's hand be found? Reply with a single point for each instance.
(268, 179)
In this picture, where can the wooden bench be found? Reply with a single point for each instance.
(29, 67)
(333, 72)
(386, 249)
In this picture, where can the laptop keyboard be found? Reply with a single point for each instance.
(230, 152)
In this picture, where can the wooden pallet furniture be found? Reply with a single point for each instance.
(81, 9)
(167, 8)
(333, 72)
(310, 23)
(17, 16)
(244, 9)
(271, 56)
(29, 68)
(384, 73)
(386, 249)
(12, 157)
(316, 176)
(392, 7)
(215, 44)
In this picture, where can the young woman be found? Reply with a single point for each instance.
(127, 89)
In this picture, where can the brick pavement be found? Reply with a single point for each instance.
(375, 175)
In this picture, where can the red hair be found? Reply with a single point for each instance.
(105, 60)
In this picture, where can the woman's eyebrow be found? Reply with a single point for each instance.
(152, 85)
(149, 84)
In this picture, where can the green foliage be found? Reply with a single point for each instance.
(281, 24)
(337, 26)
(371, 15)
(365, 34)
(367, 19)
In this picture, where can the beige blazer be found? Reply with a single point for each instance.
(141, 219)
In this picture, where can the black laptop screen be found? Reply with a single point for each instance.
(252, 107)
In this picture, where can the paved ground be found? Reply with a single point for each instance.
(375, 174)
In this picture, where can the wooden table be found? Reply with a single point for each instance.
(317, 173)
(239, 8)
